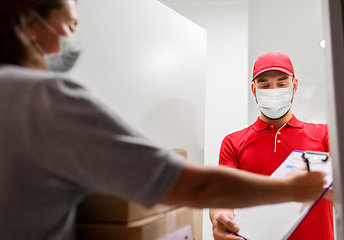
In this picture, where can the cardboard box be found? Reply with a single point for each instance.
(110, 209)
(159, 226)
(180, 151)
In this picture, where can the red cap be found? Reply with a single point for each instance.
(273, 61)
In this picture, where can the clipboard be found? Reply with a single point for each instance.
(278, 221)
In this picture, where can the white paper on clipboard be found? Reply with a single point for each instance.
(278, 221)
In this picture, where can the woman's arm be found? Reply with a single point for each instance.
(213, 187)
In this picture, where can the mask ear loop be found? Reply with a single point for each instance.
(38, 47)
(48, 26)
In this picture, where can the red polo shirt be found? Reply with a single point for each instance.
(262, 147)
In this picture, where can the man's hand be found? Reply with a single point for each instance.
(224, 228)
(305, 185)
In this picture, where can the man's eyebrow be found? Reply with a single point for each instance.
(282, 78)
(261, 80)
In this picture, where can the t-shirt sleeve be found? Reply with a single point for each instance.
(83, 144)
(228, 153)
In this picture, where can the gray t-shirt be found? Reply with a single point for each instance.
(58, 143)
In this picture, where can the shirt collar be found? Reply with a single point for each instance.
(260, 125)
(295, 123)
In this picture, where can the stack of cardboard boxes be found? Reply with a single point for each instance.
(103, 217)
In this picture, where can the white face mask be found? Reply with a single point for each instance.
(64, 61)
(70, 52)
(274, 103)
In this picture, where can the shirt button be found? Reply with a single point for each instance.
(271, 126)
(279, 141)
(278, 133)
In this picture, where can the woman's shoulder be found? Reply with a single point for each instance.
(24, 77)
(21, 73)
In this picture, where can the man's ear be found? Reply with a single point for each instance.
(253, 89)
(295, 85)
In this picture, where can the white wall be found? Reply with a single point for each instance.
(296, 28)
(226, 90)
(150, 64)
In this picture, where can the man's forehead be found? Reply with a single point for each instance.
(272, 75)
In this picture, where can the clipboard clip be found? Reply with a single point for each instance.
(313, 158)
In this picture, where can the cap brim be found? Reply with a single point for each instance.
(272, 68)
